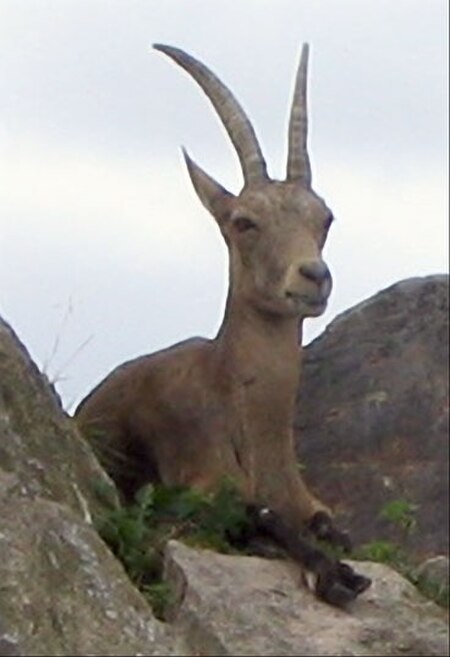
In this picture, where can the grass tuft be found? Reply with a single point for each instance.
(138, 533)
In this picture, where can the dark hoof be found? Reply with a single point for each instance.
(335, 593)
(339, 585)
(322, 527)
(361, 583)
(350, 579)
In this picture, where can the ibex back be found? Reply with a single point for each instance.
(205, 409)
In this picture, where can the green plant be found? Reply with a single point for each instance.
(380, 551)
(400, 512)
(137, 533)
(160, 596)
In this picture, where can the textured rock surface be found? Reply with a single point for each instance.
(436, 570)
(61, 590)
(372, 420)
(38, 442)
(230, 605)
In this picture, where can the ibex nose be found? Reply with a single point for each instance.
(316, 271)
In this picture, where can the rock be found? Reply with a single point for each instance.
(229, 605)
(62, 592)
(372, 415)
(435, 570)
(39, 443)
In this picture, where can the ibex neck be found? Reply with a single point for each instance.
(252, 343)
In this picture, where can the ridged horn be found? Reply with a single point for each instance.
(298, 165)
(230, 112)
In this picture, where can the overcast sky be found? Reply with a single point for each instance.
(105, 251)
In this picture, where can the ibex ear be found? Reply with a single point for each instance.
(214, 197)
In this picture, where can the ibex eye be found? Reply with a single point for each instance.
(243, 224)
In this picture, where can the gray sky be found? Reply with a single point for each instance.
(106, 253)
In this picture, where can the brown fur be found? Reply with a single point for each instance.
(203, 409)
(208, 408)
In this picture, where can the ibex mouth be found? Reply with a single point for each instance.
(312, 301)
(306, 305)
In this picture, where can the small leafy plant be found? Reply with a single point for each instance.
(401, 513)
(138, 533)
(382, 552)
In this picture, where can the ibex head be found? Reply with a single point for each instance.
(275, 230)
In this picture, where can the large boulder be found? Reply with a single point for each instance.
(38, 442)
(372, 415)
(61, 590)
(228, 605)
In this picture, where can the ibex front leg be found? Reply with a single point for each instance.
(322, 526)
(283, 490)
(316, 516)
(335, 582)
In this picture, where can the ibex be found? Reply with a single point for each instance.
(205, 409)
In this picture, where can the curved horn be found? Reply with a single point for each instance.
(231, 113)
(298, 166)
